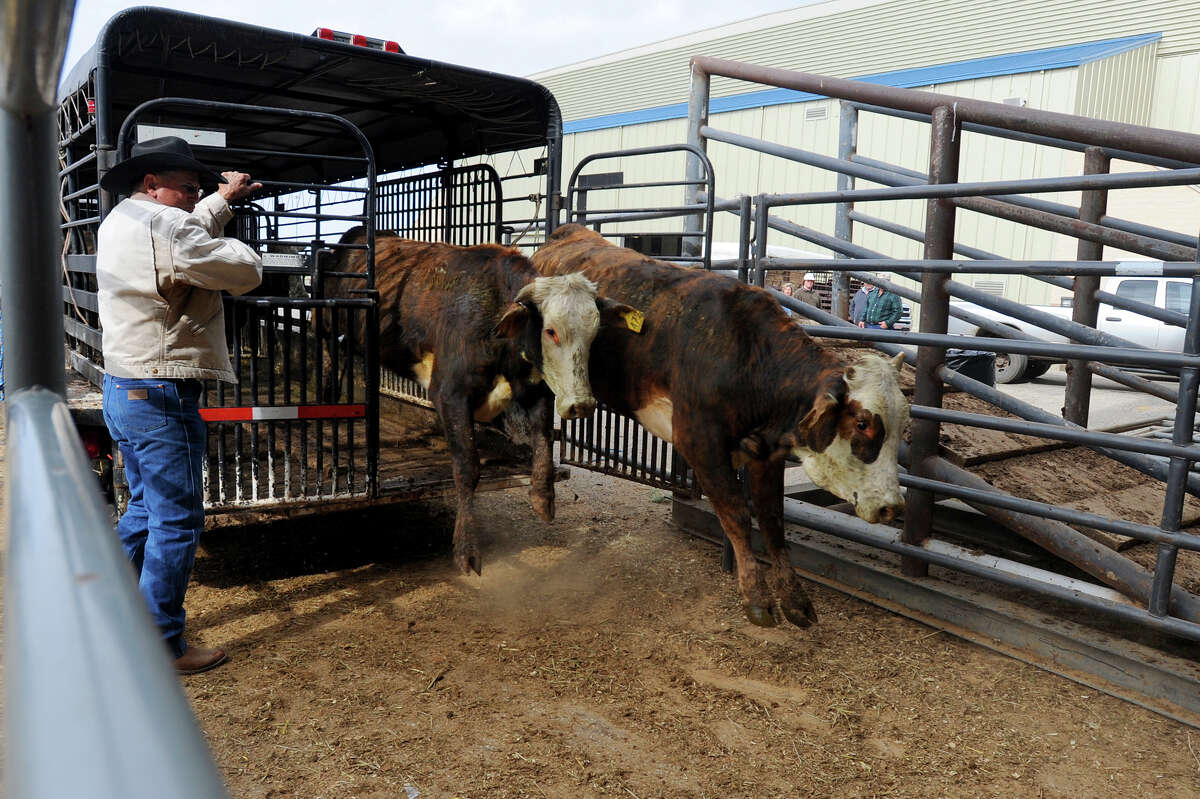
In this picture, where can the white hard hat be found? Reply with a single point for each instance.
(810, 276)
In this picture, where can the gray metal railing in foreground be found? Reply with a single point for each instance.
(93, 706)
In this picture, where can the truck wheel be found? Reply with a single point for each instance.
(1036, 369)
(1010, 367)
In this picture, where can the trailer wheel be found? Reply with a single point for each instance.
(1010, 367)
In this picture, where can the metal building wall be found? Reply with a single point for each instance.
(1118, 88)
(1176, 96)
(845, 38)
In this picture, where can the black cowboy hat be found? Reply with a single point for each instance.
(157, 155)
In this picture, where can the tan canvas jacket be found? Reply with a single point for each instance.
(159, 274)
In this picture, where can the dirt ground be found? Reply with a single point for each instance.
(605, 654)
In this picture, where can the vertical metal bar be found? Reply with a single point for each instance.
(1085, 307)
(843, 226)
(319, 386)
(350, 380)
(745, 222)
(33, 305)
(287, 400)
(698, 94)
(336, 384)
(239, 430)
(272, 348)
(308, 329)
(945, 136)
(761, 232)
(255, 399)
(1177, 472)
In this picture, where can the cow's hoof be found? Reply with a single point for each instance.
(543, 506)
(468, 563)
(804, 615)
(760, 616)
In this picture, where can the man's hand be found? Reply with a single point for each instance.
(239, 186)
(862, 324)
(883, 325)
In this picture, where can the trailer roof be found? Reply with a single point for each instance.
(415, 111)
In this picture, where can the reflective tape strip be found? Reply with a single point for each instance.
(272, 413)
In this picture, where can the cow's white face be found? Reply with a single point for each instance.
(570, 321)
(849, 440)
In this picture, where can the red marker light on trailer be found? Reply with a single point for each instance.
(391, 47)
(91, 106)
(325, 33)
(358, 40)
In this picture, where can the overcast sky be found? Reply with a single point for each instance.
(518, 37)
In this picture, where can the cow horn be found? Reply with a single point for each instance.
(897, 361)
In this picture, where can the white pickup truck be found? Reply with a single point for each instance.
(1173, 294)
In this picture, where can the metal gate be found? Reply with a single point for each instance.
(302, 421)
(456, 205)
(609, 442)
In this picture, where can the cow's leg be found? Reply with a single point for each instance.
(766, 485)
(719, 482)
(455, 411)
(541, 428)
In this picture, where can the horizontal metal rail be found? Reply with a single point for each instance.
(1102, 133)
(72, 612)
(1137, 357)
(996, 267)
(74, 165)
(886, 538)
(1124, 180)
(1056, 432)
(999, 499)
(1173, 318)
(1033, 138)
(1059, 209)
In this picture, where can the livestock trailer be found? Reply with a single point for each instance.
(342, 131)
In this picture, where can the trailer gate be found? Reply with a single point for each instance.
(609, 442)
(302, 420)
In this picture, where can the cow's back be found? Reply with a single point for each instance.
(435, 297)
(705, 336)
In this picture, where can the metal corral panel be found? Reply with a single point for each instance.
(1176, 103)
(1118, 87)
(848, 38)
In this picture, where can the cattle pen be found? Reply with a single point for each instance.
(1074, 585)
(1088, 565)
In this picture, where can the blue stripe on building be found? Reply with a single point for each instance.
(1010, 64)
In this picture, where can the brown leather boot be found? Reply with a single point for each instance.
(195, 660)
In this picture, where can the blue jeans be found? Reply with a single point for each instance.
(157, 426)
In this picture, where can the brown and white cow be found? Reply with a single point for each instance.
(483, 332)
(720, 371)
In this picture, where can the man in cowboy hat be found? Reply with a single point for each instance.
(161, 265)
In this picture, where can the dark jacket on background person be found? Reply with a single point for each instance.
(883, 306)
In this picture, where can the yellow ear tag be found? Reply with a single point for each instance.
(633, 320)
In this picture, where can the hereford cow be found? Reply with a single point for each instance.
(722, 373)
(481, 331)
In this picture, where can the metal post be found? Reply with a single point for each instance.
(945, 135)
(1085, 307)
(28, 146)
(697, 118)
(744, 226)
(761, 231)
(843, 226)
(1177, 472)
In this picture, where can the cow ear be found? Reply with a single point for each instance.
(618, 314)
(513, 321)
(818, 428)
